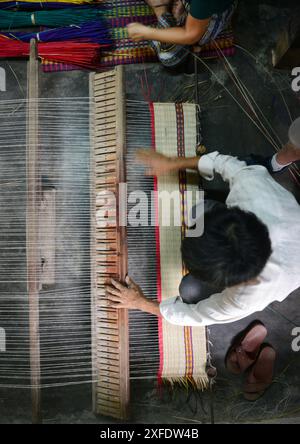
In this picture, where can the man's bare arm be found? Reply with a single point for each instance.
(158, 164)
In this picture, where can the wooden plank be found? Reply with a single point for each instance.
(110, 327)
(106, 89)
(93, 243)
(47, 236)
(103, 118)
(104, 75)
(32, 230)
(122, 242)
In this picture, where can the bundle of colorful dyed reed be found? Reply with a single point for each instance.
(51, 19)
(42, 4)
(83, 55)
(91, 32)
(12, 48)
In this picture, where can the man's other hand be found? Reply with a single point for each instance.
(156, 164)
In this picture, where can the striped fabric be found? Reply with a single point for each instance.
(182, 349)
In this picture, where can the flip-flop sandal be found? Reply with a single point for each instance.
(245, 348)
(260, 376)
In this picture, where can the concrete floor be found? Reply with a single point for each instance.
(227, 129)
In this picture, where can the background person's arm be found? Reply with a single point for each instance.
(189, 34)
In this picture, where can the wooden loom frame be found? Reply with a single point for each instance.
(110, 398)
(111, 392)
(40, 230)
(40, 209)
(32, 230)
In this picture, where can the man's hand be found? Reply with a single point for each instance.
(121, 296)
(130, 297)
(157, 164)
(137, 32)
(288, 153)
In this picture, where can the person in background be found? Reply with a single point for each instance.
(182, 24)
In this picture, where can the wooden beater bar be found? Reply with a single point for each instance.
(110, 337)
(32, 230)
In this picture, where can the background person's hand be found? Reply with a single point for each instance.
(121, 296)
(156, 164)
(137, 31)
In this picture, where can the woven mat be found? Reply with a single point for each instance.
(128, 52)
(182, 349)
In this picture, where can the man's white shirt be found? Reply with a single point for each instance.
(252, 189)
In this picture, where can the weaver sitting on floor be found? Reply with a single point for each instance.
(249, 253)
(182, 23)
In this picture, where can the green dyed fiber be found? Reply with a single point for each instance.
(52, 19)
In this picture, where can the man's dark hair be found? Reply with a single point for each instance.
(233, 249)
